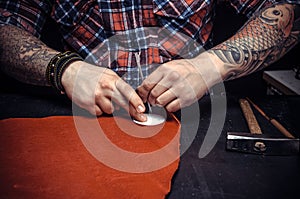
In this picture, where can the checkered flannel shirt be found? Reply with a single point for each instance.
(124, 34)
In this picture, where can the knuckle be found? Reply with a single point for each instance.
(154, 93)
(105, 84)
(181, 86)
(98, 94)
(147, 85)
(173, 76)
(160, 102)
(141, 92)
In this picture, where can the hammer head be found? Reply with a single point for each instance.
(261, 144)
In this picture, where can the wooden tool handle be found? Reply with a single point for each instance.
(250, 117)
(281, 128)
(273, 121)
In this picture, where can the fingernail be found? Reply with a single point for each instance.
(140, 108)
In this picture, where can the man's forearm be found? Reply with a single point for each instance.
(23, 56)
(263, 40)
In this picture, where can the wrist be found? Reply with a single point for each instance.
(57, 66)
(210, 67)
(70, 72)
(218, 64)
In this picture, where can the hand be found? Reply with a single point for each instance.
(100, 90)
(180, 83)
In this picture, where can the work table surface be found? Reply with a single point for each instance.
(221, 173)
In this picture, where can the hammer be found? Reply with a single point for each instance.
(255, 141)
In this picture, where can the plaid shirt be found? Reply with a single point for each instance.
(124, 34)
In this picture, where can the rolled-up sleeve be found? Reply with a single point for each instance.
(29, 15)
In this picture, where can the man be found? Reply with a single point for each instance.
(184, 73)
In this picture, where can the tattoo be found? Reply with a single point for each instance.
(23, 56)
(264, 39)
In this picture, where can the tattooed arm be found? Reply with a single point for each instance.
(265, 38)
(23, 56)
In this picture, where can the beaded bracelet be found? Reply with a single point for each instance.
(56, 67)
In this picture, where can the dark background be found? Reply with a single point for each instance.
(221, 174)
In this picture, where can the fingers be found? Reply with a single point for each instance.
(172, 85)
(156, 89)
(100, 90)
(174, 105)
(167, 82)
(170, 100)
(126, 97)
(137, 115)
(105, 105)
(135, 111)
(97, 111)
(173, 102)
(165, 98)
(173, 91)
(148, 84)
(130, 95)
(110, 94)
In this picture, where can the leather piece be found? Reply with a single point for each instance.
(46, 158)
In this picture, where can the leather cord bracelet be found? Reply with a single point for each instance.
(56, 67)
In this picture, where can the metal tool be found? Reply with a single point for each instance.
(258, 143)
